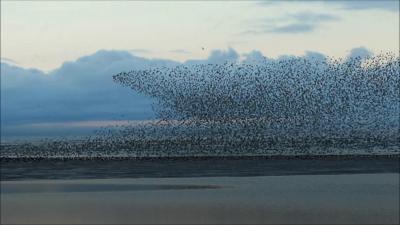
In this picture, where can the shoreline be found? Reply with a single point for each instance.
(23, 169)
(201, 157)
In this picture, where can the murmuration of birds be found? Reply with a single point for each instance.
(292, 106)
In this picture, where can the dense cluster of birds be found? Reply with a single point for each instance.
(289, 106)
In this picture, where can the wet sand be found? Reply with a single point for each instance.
(294, 199)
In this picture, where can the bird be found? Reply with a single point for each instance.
(279, 107)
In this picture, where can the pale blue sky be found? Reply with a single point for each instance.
(44, 34)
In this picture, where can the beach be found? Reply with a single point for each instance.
(289, 199)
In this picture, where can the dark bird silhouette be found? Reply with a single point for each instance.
(273, 107)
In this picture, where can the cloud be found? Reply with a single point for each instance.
(385, 5)
(316, 56)
(360, 52)
(140, 50)
(180, 51)
(254, 57)
(77, 91)
(8, 60)
(313, 17)
(217, 57)
(302, 22)
(292, 28)
(83, 90)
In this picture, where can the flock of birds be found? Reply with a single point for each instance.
(285, 107)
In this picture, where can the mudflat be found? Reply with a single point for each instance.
(371, 198)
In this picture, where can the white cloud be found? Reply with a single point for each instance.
(385, 5)
(254, 57)
(360, 52)
(311, 55)
(180, 51)
(301, 22)
(218, 56)
(9, 61)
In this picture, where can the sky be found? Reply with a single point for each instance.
(57, 58)
(44, 34)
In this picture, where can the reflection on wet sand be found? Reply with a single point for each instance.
(66, 188)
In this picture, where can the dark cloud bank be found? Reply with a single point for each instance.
(83, 90)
